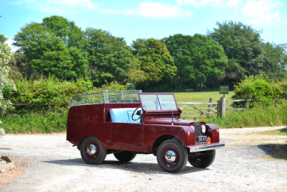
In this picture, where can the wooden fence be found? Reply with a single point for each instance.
(218, 108)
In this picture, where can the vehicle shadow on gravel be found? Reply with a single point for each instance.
(131, 166)
(278, 151)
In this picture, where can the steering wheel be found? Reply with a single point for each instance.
(134, 114)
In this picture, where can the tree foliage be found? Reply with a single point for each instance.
(19, 66)
(247, 53)
(55, 46)
(242, 45)
(4, 80)
(275, 61)
(109, 57)
(3, 38)
(155, 61)
(198, 58)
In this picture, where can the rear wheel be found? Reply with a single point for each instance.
(202, 161)
(125, 156)
(171, 156)
(92, 151)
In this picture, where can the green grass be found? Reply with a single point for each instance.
(258, 116)
(40, 122)
(201, 96)
(280, 132)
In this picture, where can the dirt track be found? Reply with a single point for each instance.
(50, 163)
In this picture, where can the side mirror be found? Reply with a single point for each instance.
(139, 112)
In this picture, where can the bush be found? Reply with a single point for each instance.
(48, 90)
(260, 88)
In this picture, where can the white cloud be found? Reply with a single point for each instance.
(201, 3)
(262, 11)
(157, 10)
(9, 42)
(233, 3)
(212, 3)
(56, 6)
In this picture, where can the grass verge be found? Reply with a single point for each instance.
(36, 122)
(280, 132)
(258, 116)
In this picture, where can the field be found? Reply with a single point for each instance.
(200, 96)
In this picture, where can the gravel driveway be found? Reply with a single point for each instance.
(54, 165)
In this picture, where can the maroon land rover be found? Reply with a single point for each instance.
(127, 123)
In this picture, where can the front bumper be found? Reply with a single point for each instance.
(197, 148)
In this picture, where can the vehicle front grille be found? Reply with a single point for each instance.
(197, 129)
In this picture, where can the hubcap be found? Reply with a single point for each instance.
(170, 156)
(91, 149)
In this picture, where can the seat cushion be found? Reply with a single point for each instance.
(123, 115)
(119, 115)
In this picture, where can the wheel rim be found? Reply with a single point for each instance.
(91, 150)
(170, 157)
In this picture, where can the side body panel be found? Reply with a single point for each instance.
(93, 120)
(87, 120)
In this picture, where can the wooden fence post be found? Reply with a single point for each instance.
(247, 103)
(222, 107)
(218, 108)
(210, 101)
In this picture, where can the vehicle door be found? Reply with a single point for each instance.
(126, 131)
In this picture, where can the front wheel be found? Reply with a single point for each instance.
(202, 161)
(124, 156)
(171, 156)
(92, 151)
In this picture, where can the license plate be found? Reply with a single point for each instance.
(201, 139)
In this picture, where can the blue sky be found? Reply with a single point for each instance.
(132, 19)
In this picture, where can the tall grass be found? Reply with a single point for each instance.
(36, 122)
(259, 115)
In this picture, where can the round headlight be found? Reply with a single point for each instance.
(203, 128)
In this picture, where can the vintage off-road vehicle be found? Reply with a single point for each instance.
(127, 123)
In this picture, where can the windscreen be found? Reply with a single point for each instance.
(157, 102)
(167, 102)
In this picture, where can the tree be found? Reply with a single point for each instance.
(56, 46)
(198, 58)
(275, 61)
(242, 45)
(19, 66)
(156, 62)
(135, 74)
(109, 57)
(4, 80)
(3, 38)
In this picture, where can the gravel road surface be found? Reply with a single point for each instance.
(52, 164)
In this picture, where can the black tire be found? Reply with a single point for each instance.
(171, 156)
(92, 151)
(202, 161)
(124, 156)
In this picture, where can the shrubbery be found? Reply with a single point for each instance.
(48, 90)
(261, 89)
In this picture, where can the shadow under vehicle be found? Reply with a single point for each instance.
(127, 123)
